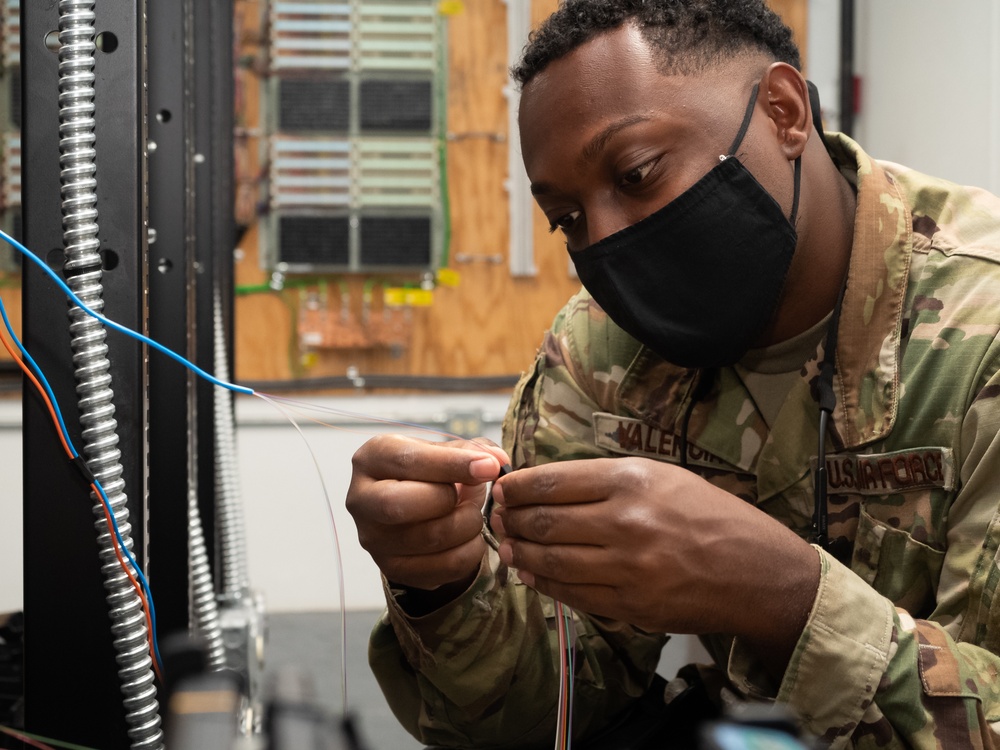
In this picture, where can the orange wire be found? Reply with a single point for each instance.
(107, 516)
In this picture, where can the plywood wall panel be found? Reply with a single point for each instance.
(491, 324)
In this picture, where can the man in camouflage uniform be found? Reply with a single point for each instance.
(655, 498)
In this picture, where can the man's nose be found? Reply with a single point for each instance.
(604, 222)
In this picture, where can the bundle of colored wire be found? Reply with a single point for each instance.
(564, 710)
(41, 383)
(36, 740)
(303, 407)
(29, 741)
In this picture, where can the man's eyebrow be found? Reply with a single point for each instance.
(595, 145)
(600, 140)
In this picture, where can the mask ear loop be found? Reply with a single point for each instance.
(796, 184)
(738, 140)
(817, 118)
(745, 125)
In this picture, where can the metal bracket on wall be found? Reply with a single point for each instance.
(522, 237)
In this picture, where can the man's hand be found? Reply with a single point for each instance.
(658, 547)
(417, 506)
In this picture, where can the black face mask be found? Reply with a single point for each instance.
(699, 280)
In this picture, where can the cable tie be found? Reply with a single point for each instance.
(82, 467)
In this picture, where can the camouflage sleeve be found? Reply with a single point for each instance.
(869, 673)
(483, 671)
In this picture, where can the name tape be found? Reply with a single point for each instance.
(634, 437)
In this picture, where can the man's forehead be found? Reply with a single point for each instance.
(617, 70)
(619, 53)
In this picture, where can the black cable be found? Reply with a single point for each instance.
(827, 403)
(701, 388)
(847, 93)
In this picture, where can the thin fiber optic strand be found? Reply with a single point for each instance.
(303, 408)
(336, 541)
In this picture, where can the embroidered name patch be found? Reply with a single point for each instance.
(636, 438)
(886, 473)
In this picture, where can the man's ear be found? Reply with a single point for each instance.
(787, 102)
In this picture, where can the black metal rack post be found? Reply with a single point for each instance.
(214, 221)
(172, 281)
(72, 689)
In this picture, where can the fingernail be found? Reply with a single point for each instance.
(506, 553)
(483, 468)
(497, 492)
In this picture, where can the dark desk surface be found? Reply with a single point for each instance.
(310, 642)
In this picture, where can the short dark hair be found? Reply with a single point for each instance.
(688, 35)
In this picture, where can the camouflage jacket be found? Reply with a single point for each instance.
(901, 646)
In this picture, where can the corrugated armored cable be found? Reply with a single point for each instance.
(231, 524)
(91, 365)
(204, 608)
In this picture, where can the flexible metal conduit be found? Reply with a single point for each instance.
(228, 500)
(83, 272)
(204, 609)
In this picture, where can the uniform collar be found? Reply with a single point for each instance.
(868, 348)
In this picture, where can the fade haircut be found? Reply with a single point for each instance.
(687, 36)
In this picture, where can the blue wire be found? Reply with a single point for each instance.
(104, 496)
(117, 326)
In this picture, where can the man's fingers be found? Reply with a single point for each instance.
(389, 502)
(399, 457)
(557, 483)
(566, 563)
(586, 523)
(436, 535)
(434, 570)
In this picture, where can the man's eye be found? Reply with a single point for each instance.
(637, 175)
(564, 222)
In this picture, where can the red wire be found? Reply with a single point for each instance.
(107, 516)
(26, 740)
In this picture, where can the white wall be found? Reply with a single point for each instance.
(931, 86)
(11, 547)
(823, 63)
